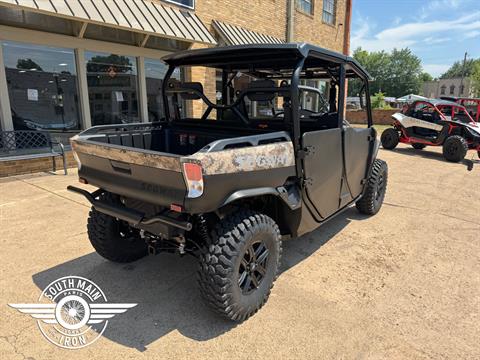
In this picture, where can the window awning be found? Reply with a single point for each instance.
(236, 35)
(141, 16)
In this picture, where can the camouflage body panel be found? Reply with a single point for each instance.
(127, 155)
(254, 158)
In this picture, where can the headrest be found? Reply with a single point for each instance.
(261, 96)
(184, 87)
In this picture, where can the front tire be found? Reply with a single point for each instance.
(376, 187)
(455, 148)
(390, 138)
(238, 268)
(114, 239)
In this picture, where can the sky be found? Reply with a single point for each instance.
(439, 32)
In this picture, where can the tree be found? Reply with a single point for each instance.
(115, 63)
(424, 77)
(456, 70)
(475, 77)
(28, 64)
(395, 74)
(378, 101)
(404, 73)
(376, 64)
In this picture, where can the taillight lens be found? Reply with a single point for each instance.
(194, 179)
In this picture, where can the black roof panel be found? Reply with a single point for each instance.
(272, 54)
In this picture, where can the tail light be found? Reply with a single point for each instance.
(194, 179)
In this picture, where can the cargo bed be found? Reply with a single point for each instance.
(144, 161)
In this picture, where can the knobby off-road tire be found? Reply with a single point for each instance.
(372, 199)
(455, 148)
(390, 138)
(114, 239)
(418, 146)
(229, 280)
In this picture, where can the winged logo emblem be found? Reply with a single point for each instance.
(73, 312)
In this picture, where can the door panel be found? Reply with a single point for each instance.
(323, 168)
(357, 147)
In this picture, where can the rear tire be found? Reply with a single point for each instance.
(455, 148)
(114, 239)
(418, 146)
(238, 268)
(390, 138)
(376, 187)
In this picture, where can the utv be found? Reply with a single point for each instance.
(229, 172)
(435, 123)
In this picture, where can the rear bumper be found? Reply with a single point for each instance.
(132, 216)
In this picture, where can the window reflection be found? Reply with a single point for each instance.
(154, 72)
(112, 88)
(42, 86)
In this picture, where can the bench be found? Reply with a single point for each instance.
(30, 144)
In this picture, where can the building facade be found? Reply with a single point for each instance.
(69, 65)
(457, 87)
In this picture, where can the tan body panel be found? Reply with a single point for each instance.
(254, 158)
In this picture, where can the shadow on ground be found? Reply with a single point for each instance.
(468, 161)
(164, 287)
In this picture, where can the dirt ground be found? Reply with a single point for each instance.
(402, 284)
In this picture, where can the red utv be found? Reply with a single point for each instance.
(471, 104)
(435, 122)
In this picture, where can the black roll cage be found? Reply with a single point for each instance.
(292, 89)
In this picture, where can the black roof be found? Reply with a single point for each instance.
(273, 54)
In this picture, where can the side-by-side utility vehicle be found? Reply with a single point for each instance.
(434, 122)
(232, 169)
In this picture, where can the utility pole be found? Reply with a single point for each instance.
(463, 72)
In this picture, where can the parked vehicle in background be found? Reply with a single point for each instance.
(471, 104)
(435, 122)
(228, 179)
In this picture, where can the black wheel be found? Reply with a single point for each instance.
(238, 268)
(390, 138)
(372, 199)
(455, 148)
(418, 146)
(478, 154)
(114, 239)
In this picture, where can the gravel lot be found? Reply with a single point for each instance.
(402, 284)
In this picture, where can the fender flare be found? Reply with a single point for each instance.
(293, 202)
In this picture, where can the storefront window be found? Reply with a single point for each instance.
(42, 86)
(112, 88)
(154, 73)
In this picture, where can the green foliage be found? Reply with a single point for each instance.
(475, 77)
(424, 77)
(378, 101)
(397, 73)
(112, 62)
(28, 64)
(456, 70)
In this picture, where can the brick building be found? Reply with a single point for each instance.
(448, 87)
(69, 65)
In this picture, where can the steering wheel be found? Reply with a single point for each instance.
(278, 114)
